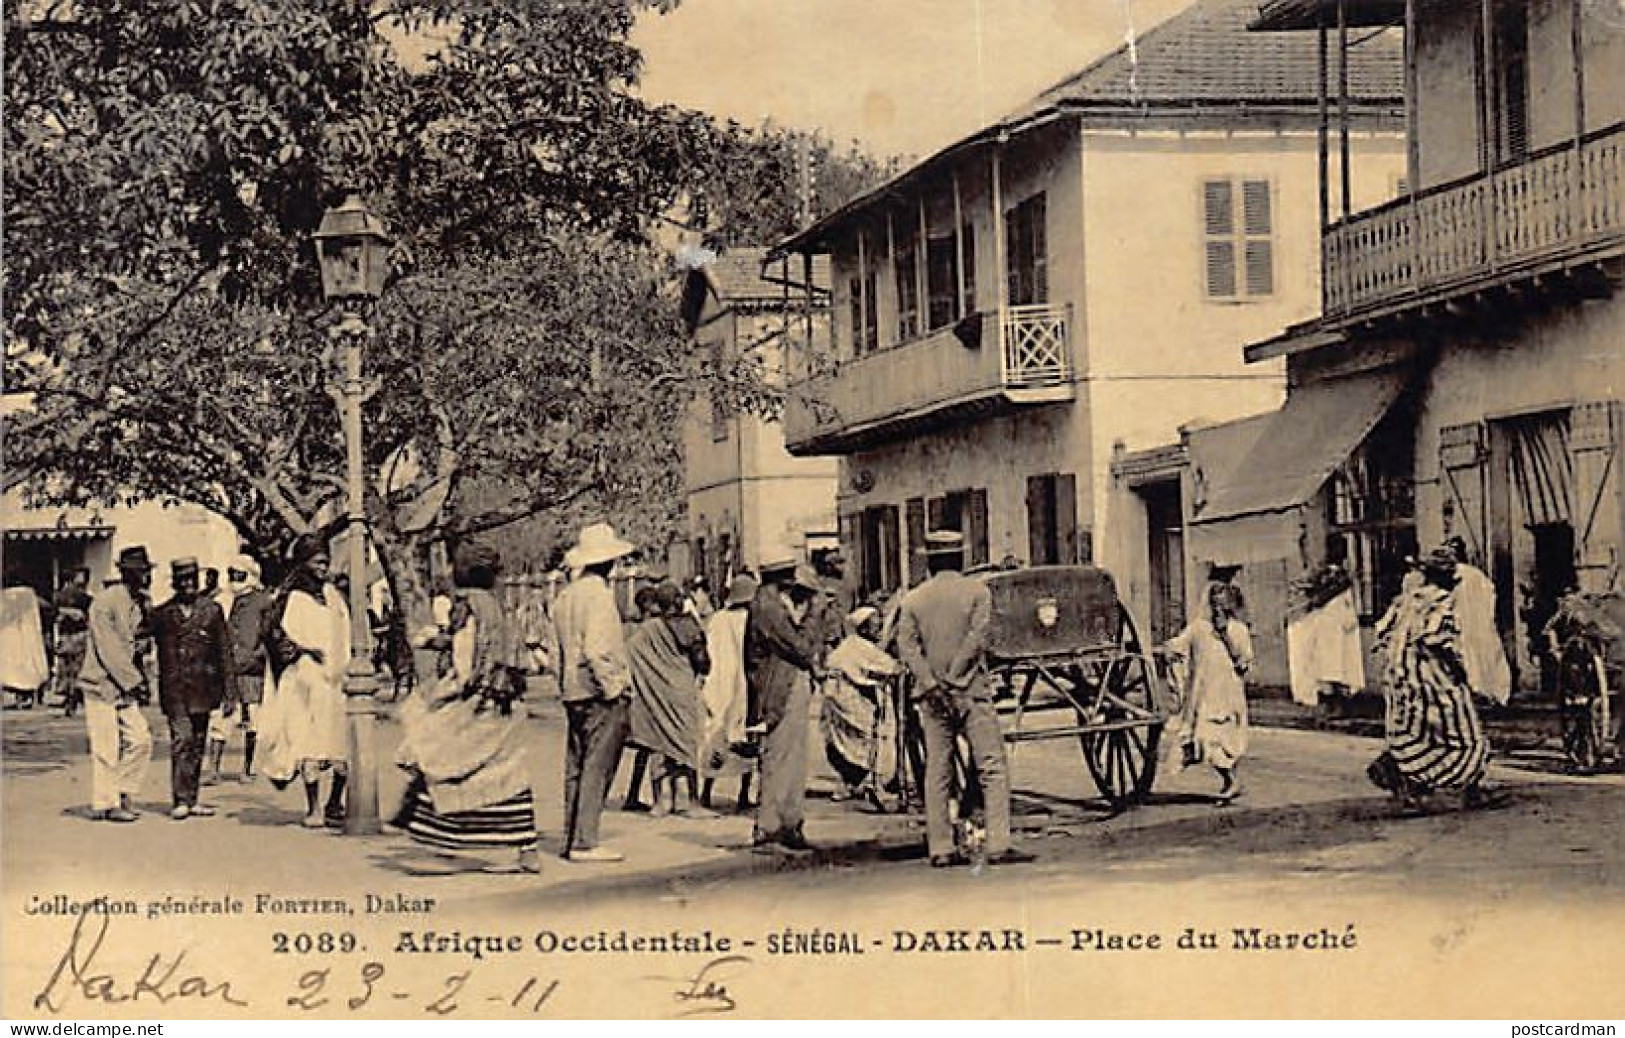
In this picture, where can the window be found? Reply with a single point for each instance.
(871, 312)
(878, 537)
(1511, 21)
(963, 511)
(1238, 241)
(950, 259)
(1052, 520)
(720, 412)
(941, 282)
(1028, 252)
(905, 266)
(854, 297)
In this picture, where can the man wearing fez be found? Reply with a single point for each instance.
(782, 658)
(115, 688)
(942, 639)
(195, 676)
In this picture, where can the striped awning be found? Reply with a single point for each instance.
(59, 533)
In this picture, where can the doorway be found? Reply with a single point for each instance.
(1165, 536)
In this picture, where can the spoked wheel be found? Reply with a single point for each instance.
(1119, 698)
(1123, 763)
(1584, 702)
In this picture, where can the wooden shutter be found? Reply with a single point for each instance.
(1066, 520)
(1258, 226)
(1461, 476)
(852, 542)
(1038, 243)
(1015, 251)
(1219, 229)
(1040, 520)
(893, 571)
(915, 518)
(976, 527)
(935, 512)
(1594, 448)
(967, 261)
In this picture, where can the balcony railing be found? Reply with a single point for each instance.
(1562, 202)
(1022, 356)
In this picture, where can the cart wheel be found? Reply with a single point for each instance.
(1123, 763)
(1582, 686)
(1123, 760)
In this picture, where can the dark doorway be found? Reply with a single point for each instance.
(1165, 533)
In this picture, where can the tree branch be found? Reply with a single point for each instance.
(537, 503)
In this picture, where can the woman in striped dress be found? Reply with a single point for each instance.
(464, 743)
(1435, 739)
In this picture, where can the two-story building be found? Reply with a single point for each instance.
(1079, 274)
(1464, 376)
(749, 501)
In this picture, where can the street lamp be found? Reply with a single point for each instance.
(353, 252)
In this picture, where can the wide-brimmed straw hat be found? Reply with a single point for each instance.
(944, 542)
(597, 543)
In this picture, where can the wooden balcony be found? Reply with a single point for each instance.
(1559, 207)
(1022, 357)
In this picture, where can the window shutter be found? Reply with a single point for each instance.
(1066, 521)
(1594, 447)
(1039, 520)
(852, 542)
(1221, 269)
(1255, 206)
(1258, 226)
(1218, 208)
(1015, 250)
(968, 261)
(976, 523)
(1461, 475)
(1260, 267)
(915, 518)
(1038, 242)
(889, 549)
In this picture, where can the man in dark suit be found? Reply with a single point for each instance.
(195, 672)
(942, 637)
(782, 658)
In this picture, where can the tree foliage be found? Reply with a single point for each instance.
(166, 164)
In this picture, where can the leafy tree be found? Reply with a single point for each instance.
(165, 166)
(768, 181)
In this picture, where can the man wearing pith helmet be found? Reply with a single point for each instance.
(942, 638)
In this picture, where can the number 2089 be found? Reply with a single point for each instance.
(324, 943)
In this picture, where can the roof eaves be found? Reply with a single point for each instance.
(999, 131)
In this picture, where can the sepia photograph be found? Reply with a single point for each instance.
(1099, 510)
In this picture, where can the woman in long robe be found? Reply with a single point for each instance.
(1215, 652)
(724, 694)
(1434, 736)
(464, 743)
(666, 654)
(853, 713)
(303, 730)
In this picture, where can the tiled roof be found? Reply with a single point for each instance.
(1205, 57)
(737, 276)
(1206, 54)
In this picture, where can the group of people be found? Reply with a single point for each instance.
(736, 696)
(237, 660)
(700, 693)
(1438, 649)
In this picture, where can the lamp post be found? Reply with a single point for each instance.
(353, 251)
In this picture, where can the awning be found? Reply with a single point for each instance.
(1249, 539)
(59, 533)
(1321, 424)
